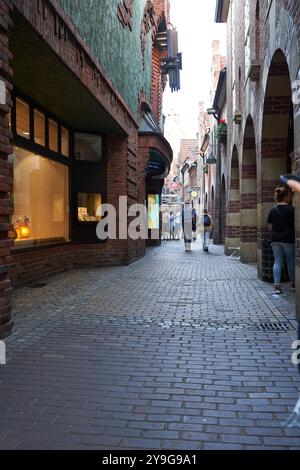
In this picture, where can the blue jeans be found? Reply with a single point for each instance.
(283, 251)
(206, 238)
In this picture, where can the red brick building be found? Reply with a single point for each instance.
(210, 143)
(263, 63)
(79, 126)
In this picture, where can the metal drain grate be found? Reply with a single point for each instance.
(280, 326)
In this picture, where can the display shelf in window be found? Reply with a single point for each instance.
(89, 207)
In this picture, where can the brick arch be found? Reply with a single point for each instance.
(233, 217)
(277, 138)
(249, 195)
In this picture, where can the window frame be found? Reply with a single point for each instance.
(73, 165)
(30, 144)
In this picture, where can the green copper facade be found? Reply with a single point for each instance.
(117, 48)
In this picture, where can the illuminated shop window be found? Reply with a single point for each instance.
(89, 206)
(64, 141)
(39, 128)
(153, 211)
(40, 198)
(22, 119)
(88, 147)
(53, 135)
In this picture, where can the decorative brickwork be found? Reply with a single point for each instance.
(125, 13)
(149, 22)
(49, 20)
(5, 173)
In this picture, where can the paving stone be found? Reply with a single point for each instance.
(150, 356)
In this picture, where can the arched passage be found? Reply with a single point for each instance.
(277, 140)
(233, 218)
(249, 196)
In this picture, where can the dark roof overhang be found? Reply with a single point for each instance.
(222, 9)
(221, 92)
(160, 151)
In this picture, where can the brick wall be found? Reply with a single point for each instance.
(5, 173)
(280, 29)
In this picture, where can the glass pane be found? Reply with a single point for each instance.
(88, 147)
(64, 142)
(40, 199)
(39, 128)
(53, 136)
(22, 117)
(89, 206)
(153, 211)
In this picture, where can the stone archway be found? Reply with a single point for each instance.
(249, 196)
(233, 218)
(277, 141)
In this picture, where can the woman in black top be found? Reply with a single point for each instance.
(281, 222)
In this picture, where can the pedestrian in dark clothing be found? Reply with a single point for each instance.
(281, 222)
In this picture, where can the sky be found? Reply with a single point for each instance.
(194, 20)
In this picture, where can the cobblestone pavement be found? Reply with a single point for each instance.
(177, 351)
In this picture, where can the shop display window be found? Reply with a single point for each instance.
(65, 142)
(39, 128)
(22, 119)
(153, 211)
(53, 135)
(40, 199)
(89, 206)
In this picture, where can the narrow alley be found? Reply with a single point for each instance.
(177, 351)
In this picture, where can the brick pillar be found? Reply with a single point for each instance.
(223, 212)
(233, 218)
(275, 143)
(6, 322)
(249, 199)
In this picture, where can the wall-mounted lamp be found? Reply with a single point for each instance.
(215, 112)
(211, 159)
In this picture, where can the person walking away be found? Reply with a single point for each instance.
(165, 226)
(187, 225)
(177, 226)
(208, 226)
(281, 223)
(172, 225)
(194, 224)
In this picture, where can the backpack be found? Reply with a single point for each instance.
(207, 221)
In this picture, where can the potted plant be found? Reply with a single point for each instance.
(222, 130)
